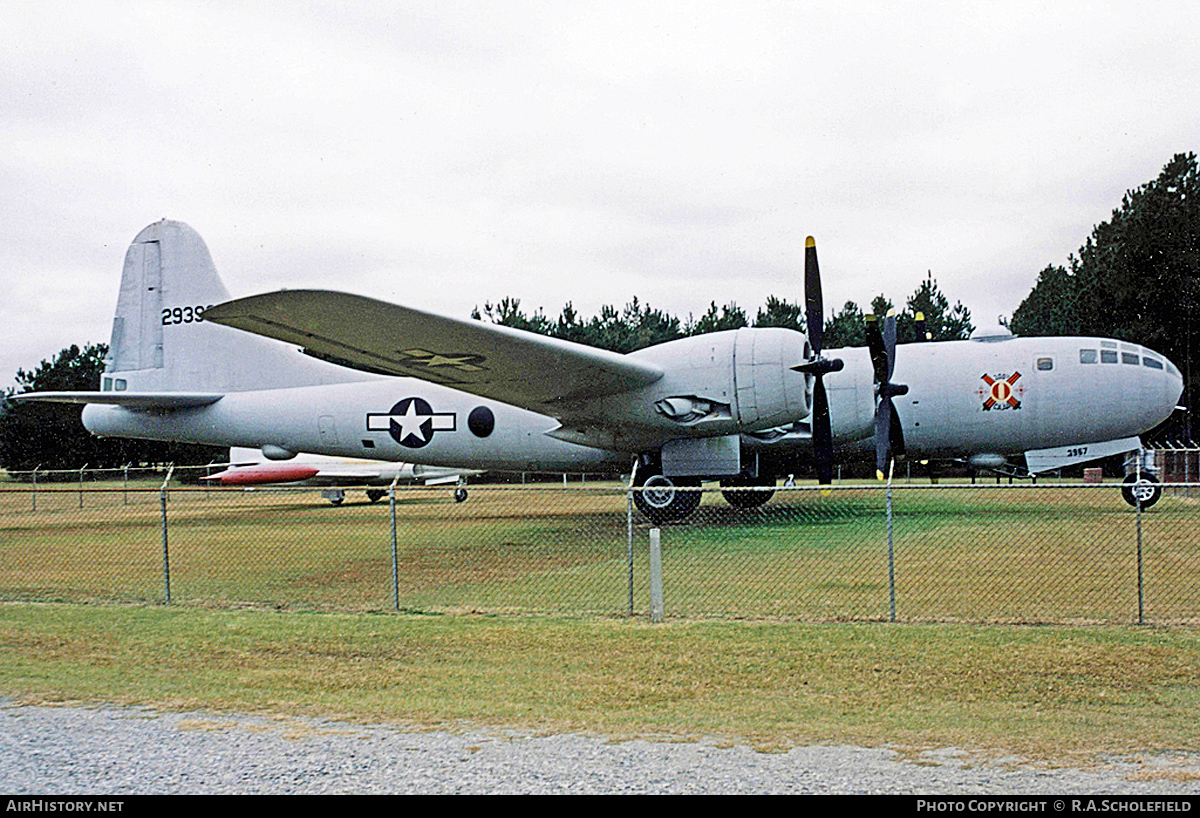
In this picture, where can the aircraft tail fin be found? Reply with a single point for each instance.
(161, 342)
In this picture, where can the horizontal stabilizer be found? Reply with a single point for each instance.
(518, 367)
(130, 400)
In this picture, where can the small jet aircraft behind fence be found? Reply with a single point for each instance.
(251, 467)
(743, 406)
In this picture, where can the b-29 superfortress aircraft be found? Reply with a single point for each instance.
(346, 375)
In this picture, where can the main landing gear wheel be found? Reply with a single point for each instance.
(662, 501)
(748, 499)
(1142, 488)
(460, 495)
(375, 495)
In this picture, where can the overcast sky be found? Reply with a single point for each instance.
(444, 154)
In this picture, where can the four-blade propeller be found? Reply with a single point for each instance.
(881, 343)
(818, 366)
(889, 434)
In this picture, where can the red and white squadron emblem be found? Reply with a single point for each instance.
(1001, 392)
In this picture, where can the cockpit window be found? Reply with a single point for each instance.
(1108, 356)
(1045, 364)
(1129, 358)
(1153, 364)
(107, 385)
(1087, 356)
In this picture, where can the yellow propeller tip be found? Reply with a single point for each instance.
(826, 492)
(920, 316)
(810, 242)
(878, 475)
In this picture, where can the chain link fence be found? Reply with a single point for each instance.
(1046, 553)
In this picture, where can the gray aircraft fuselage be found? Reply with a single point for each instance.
(965, 398)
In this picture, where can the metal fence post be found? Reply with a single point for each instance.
(1141, 588)
(395, 551)
(162, 497)
(629, 546)
(656, 589)
(891, 556)
(33, 494)
(81, 468)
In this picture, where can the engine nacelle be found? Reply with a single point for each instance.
(730, 382)
(769, 392)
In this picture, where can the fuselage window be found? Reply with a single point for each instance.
(1087, 356)
(1109, 344)
(1108, 356)
(120, 384)
(1129, 358)
(1153, 364)
(1045, 364)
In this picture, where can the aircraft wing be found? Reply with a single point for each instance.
(510, 365)
(130, 400)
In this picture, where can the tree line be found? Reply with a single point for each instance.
(638, 325)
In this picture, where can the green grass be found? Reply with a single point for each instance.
(1065, 695)
(801, 566)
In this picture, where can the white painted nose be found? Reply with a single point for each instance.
(1162, 386)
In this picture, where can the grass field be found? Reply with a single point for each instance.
(757, 648)
(978, 554)
(1054, 694)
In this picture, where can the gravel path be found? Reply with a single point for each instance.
(123, 751)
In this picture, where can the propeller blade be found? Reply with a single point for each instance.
(883, 427)
(875, 346)
(822, 434)
(814, 308)
(896, 433)
(889, 343)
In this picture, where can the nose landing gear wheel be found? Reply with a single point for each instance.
(1143, 488)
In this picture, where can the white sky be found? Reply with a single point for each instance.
(444, 154)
